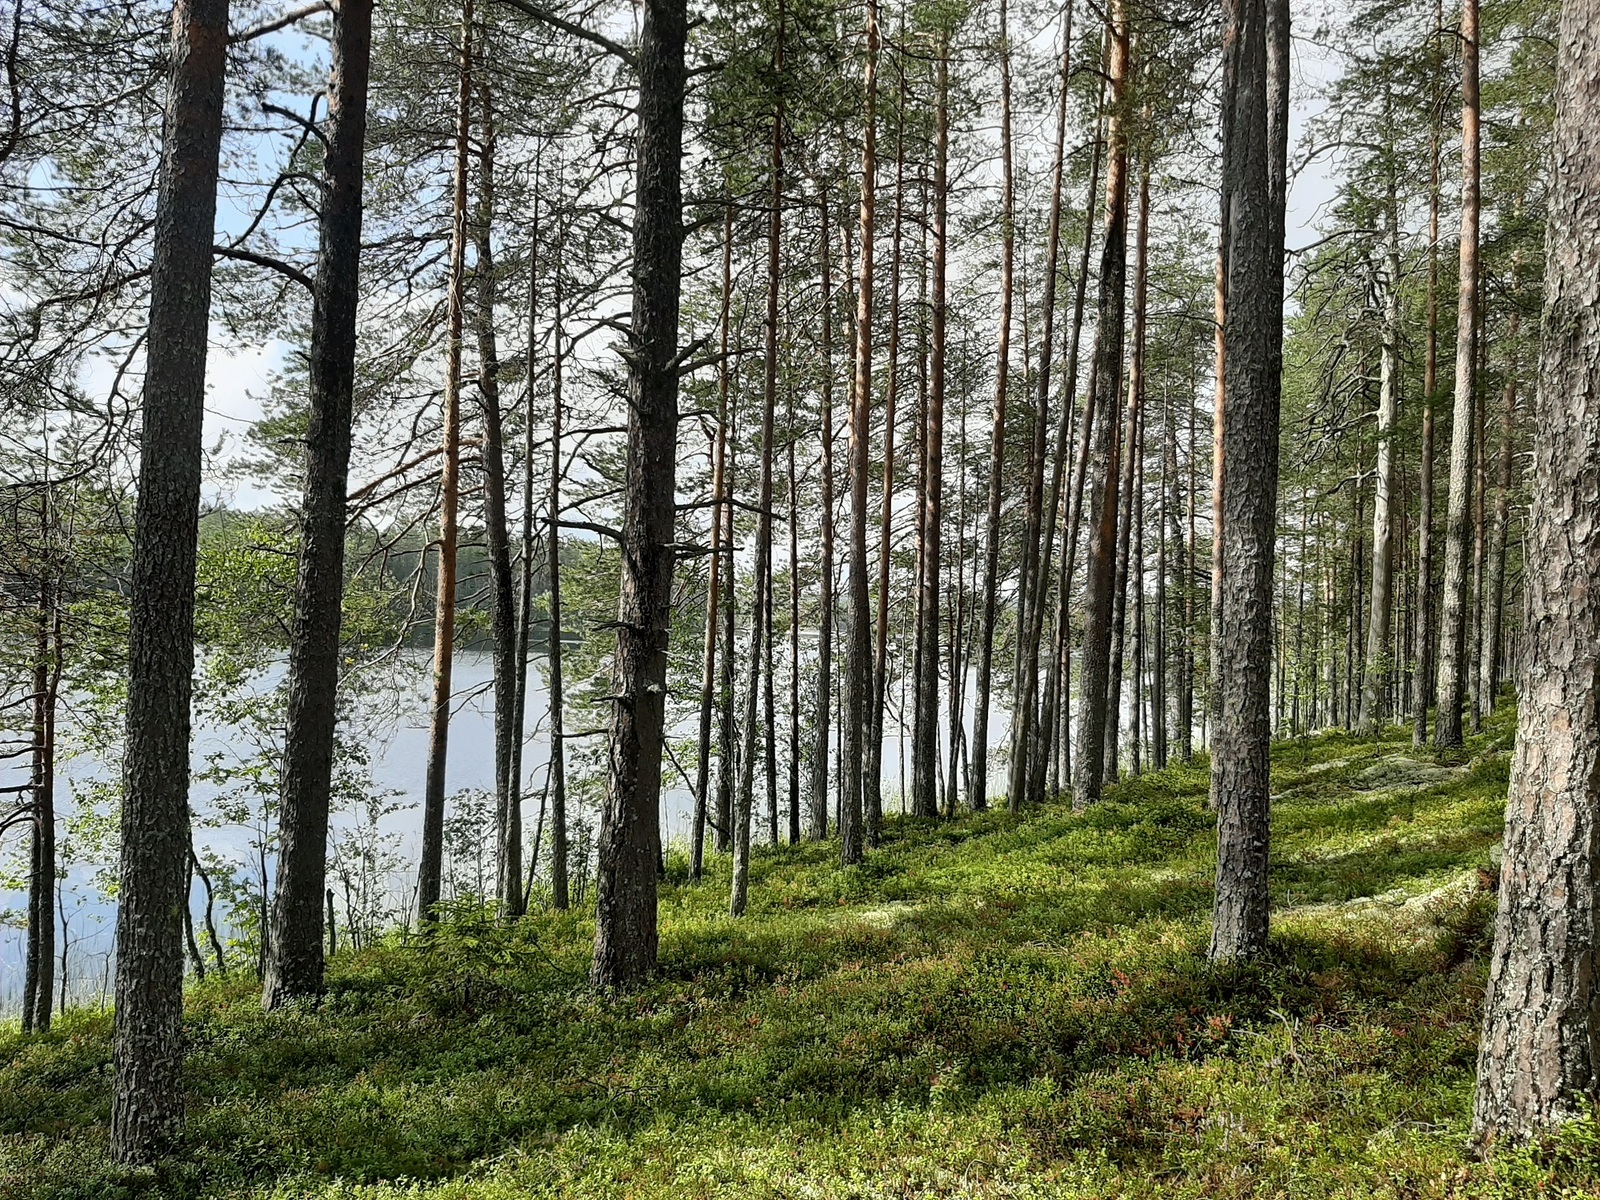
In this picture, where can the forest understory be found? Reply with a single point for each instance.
(997, 1006)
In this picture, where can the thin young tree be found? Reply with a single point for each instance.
(1455, 663)
(430, 868)
(858, 671)
(1537, 1059)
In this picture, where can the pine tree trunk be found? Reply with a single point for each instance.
(294, 945)
(979, 797)
(817, 826)
(556, 775)
(925, 740)
(1453, 626)
(430, 868)
(1426, 630)
(1105, 461)
(1039, 535)
(1495, 586)
(858, 681)
(880, 655)
(1130, 461)
(147, 1050)
(496, 528)
(1375, 686)
(525, 570)
(630, 831)
(719, 457)
(1537, 1063)
(1255, 83)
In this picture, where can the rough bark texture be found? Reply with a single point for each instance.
(1426, 631)
(430, 867)
(147, 1050)
(1105, 458)
(630, 832)
(1539, 1060)
(1255, 52)
(1454, 660)
(294, 947)
(858, 674)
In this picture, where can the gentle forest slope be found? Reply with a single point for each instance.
(995, 1006)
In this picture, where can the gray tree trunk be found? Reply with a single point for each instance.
(1254, 124)
(1538, 1063)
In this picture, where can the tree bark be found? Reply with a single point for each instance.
(147, 1048)
(556, 776)
(925, 739)
(719, 456)
(979, 796)
(1453, 627)
(1375, 686)
(1255, 79)
(1105, 459)
(858, 682)
(294, 945)
(817, 825)
(630, 832)
(1426, 630)
(1537, 1062)
(1495, 579)
(431, 867)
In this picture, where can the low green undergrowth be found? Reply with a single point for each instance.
(1001, 1006)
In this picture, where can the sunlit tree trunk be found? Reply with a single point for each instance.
(817, 825)
(1454, 664)
(431, 865)
(1537, 1062)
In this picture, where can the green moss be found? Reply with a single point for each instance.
(1002, 1006)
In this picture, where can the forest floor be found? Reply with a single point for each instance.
(997, 1006)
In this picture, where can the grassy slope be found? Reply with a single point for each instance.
(993, 1007)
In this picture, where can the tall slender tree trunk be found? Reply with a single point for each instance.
(925, 739)
(858, 681)
(1426, 630)
(430, 868)
(38, 986)
(1132, 425)
(1254, 123)
(979, 797)
(556, 775)
(525, 569)
(1105, 459)
(294, 943)
(497, 531)
(1039, 534)
(1495, 584)
(761, 612)
(817, 826)
(147, 1043)
(891, 392)
(719, 457)
(630, 831)
(1375, 687)
(1453, 627)
(794, 635)
(1537, 1062)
